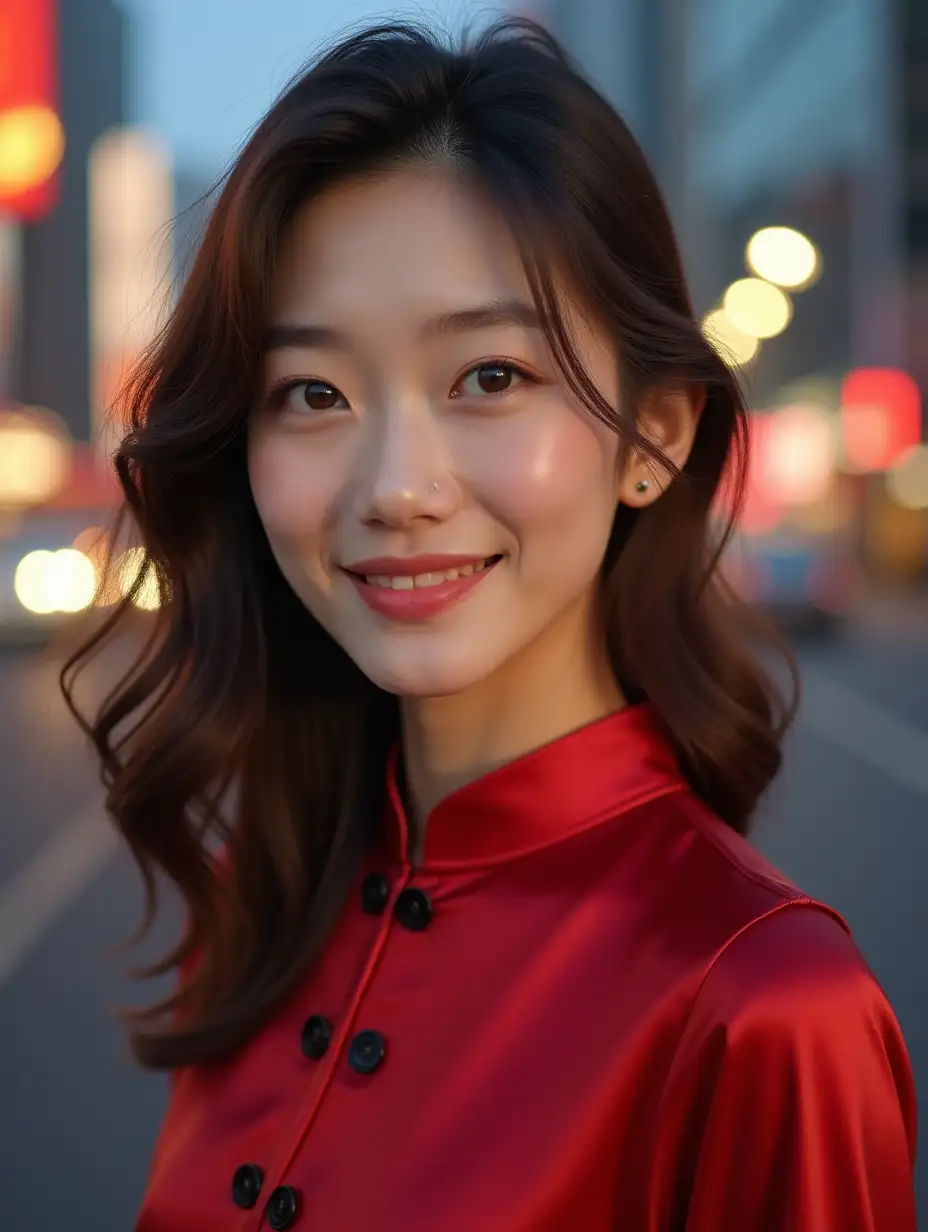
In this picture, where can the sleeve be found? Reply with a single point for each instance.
(790, 1105)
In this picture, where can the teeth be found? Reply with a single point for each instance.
(405, 582)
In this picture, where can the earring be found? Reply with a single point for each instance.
(433, 486)
(641, 485)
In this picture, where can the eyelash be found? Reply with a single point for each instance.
(278, 393)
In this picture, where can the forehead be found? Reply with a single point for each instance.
(415, 238)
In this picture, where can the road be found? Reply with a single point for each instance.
(848, 821)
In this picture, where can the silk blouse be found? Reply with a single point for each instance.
(592, 1006)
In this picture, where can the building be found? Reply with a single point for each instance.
(52, 367)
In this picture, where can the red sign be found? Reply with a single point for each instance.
(881, 417)
(30, 131)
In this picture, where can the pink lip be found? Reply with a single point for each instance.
(418, 603)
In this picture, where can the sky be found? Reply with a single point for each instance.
(202, 72)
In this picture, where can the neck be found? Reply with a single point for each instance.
(560, 682)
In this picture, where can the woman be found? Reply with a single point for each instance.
(425, 464)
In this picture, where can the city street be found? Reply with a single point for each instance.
(848, 822)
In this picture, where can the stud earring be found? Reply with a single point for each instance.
(641, 485)
(434, 486)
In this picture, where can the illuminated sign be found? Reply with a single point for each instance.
(31, 134)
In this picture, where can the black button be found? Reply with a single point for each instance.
(413, 909)
(367, 1050)
(246, 1185)
(281, 1208)
(314, 1040)
(375, 890)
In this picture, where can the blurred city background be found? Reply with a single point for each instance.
(791, 138)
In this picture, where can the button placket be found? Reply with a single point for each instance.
(367, 1048)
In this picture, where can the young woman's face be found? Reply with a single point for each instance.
(429, 488)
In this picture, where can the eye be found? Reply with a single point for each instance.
(494, 377)
(301, 396)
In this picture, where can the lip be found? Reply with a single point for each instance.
(420, 603)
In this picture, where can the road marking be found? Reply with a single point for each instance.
(39, 894)
(864, 729)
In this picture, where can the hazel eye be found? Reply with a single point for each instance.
(491, 378)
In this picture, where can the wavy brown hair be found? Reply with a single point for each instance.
(241, 722)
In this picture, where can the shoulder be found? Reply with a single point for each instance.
(797, 963)
(790, 991)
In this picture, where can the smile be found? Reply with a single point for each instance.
(392, 590)
(403, 581)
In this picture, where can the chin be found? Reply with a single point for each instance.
(435, 674)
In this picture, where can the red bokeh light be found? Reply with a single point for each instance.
(881, 416)
(29, 77)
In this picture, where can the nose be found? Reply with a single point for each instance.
(407, 474)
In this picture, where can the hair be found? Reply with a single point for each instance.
(241, 724)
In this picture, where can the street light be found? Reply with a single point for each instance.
(784, 256)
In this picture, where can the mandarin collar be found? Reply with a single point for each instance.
(581, 779)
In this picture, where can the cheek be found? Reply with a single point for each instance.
(557, 469)
(294, 488)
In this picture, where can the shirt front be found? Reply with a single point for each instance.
(591, 1006)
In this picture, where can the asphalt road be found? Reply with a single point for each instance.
(848, 821)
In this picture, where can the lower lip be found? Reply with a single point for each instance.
(421, 602)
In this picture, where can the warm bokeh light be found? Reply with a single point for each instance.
(757, 308)
(62, 581)
(796, 465)
(881, 417)
(128, 566)
(33, 460)
(735, 347)
(907, 479)
(785, 257)
(31, 147)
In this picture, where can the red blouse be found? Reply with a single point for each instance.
(592, 1006)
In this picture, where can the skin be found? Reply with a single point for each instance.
(397, 407)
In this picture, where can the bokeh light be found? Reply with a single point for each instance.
(734, 346)
(128, 567)
(34, 459)
(785, 257)
(31, 147)
(907, 479)
(62, 581)
(757, 308)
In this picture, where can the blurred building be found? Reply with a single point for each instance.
(633, 52)
(53, 366)
(811, 117)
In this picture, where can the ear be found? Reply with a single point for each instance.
(669, 419)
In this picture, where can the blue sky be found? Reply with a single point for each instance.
(202, 72)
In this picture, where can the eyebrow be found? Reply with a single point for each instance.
(466, 320)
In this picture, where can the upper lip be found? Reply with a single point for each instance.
(411, 566)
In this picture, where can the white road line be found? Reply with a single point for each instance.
(39, 894)
(865, 730)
